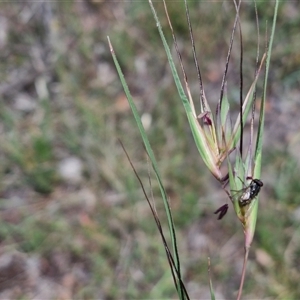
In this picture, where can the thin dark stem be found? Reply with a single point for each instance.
(241, 81)
(176, 48)
(227, 60)
(241, 92)
(173, 268)
(243, 273)
(176, 253)
(256, 70)
(202, 96)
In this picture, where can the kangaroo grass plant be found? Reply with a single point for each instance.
(218, 141)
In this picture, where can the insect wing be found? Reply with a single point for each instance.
(242, 194)
(247, 209)
(246, 196)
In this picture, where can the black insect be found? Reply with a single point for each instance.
(245, 196)
(250, 192)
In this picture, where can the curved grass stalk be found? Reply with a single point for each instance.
(178, 282)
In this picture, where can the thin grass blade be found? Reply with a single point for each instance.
(153, 162)
(251, 222)
(174, 271)
(246, 109)
(205, 150)
(211, 288)
(224, 131)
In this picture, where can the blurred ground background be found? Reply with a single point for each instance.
(74, 223)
